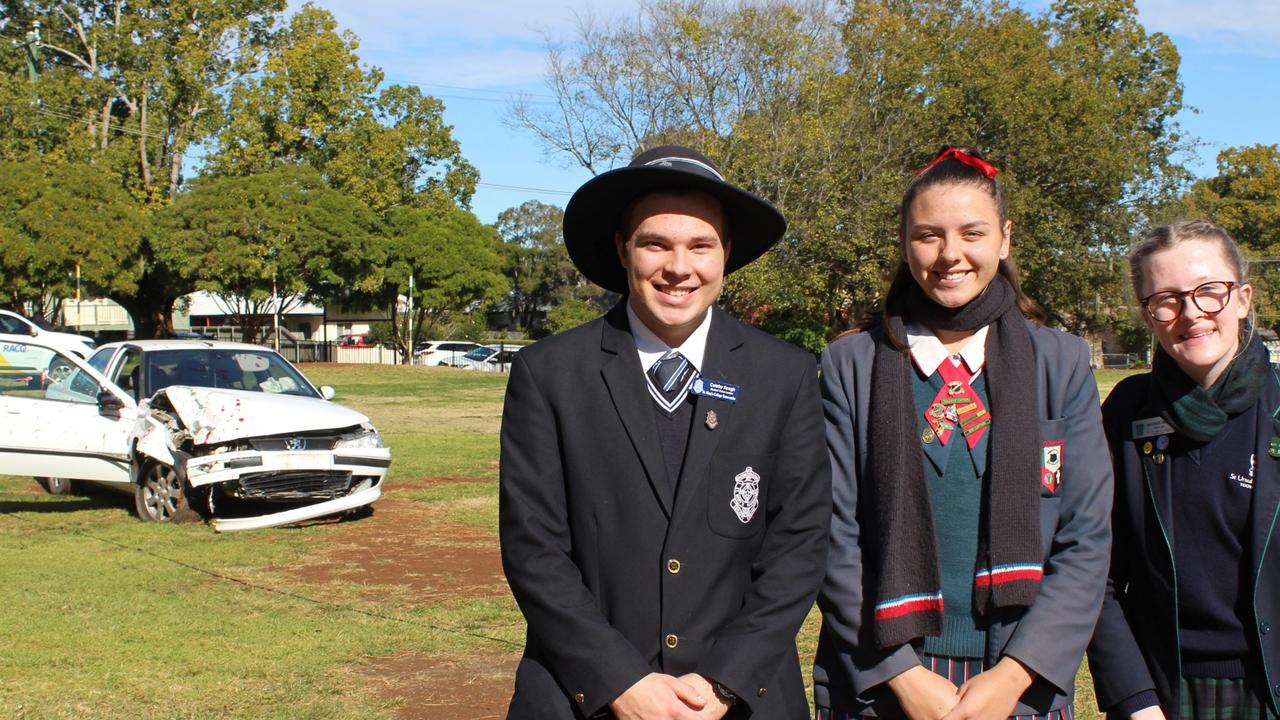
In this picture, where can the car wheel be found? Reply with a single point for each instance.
(58, 485)
(59, 369)
(161, 496)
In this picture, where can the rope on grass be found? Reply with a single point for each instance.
(284, 593)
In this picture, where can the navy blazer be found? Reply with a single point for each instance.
(1136, 645)
(617, 576)
(1050, 636)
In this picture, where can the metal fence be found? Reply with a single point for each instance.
(1124, 360)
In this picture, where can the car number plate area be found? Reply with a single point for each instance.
(302, 461)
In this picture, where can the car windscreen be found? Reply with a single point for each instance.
(98, 361)
(253, 370)
(480, 353)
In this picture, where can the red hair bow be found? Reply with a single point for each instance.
(984, 167)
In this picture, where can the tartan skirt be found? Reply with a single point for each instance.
(882, 704)
(1202, 698)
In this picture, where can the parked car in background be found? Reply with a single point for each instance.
(441, 352)
(186, 426)
(490, 358)
(15, 327)
(356, 340)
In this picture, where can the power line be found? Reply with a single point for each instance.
(507, 93)
(521, 188)
(90, 122)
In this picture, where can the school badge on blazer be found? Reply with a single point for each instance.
(1051, 465)
(746, 494)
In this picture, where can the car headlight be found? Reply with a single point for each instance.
(366, 439)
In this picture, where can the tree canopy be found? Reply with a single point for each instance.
(61, 225)
(127, 90)
(827, 112)
(282, 234)
(454, 264)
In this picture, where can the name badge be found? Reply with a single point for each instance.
(1150, 427)
(715, 389)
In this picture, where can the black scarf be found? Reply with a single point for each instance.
(1009, 565)
(1197, 412)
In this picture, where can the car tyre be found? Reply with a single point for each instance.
(60, 369)
(58, 485)
(162, 496)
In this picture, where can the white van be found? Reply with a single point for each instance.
(18, 329)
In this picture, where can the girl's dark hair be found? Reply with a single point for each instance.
(947, 171)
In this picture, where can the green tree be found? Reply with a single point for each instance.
(537, 265)
(60, 221)
(314, 102)
(1244, 198)
(283, 233)
(827, 114)
(456, 270)
(133, 87)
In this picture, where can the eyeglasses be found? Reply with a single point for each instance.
(1210, 298)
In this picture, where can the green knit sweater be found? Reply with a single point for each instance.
(956, 496)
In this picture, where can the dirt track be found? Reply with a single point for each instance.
(433, 561)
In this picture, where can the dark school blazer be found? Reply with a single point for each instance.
(617, 576)
(1136, 645)
(1050, 636)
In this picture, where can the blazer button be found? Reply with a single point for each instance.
(579, 698)
(672, 641)
(1265, 627)
(1277, 688)
(673, 566)
(760, 692)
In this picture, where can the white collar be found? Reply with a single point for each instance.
(928, 351)
(651, 348)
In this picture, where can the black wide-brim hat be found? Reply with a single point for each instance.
(594, 211)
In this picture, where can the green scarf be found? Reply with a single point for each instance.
(1200, 413)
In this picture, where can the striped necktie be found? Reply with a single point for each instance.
(669, 379)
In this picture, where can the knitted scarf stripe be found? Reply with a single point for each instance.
(908, 603)
(1009, 574)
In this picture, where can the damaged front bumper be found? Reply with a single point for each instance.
(359, 498)
(333, 480)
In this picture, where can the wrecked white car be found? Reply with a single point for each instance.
(189, 427)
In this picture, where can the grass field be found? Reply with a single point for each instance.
(102, 616)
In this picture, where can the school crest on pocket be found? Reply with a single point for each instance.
(746, 494)
(1051, 465)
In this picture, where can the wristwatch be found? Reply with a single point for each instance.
(725, 693)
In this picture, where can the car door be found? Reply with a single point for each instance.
(55, 423)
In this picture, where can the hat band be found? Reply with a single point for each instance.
(689, 161)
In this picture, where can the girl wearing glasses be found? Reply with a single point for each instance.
(1194, 587)
(972, 489)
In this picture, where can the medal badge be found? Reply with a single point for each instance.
(957, 405)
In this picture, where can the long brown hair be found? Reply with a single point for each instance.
(945, 171)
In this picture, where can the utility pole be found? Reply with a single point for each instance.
(410, 343)
(32, 47)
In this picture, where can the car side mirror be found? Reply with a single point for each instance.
(108, 404)
(327, 392)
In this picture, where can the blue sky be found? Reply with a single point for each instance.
(475, 54)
